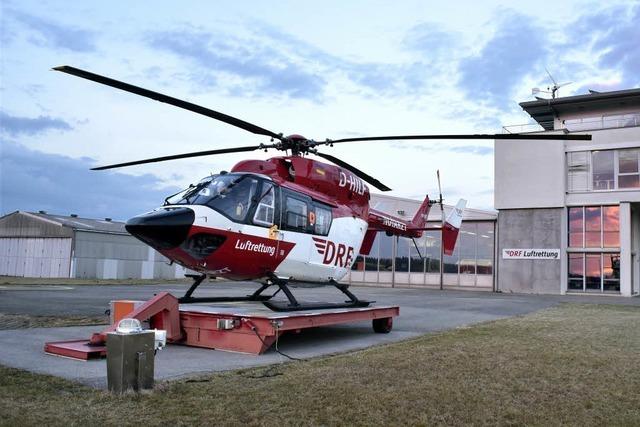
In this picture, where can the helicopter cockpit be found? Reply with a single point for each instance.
(232, 195)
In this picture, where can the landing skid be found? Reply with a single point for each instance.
(281, 306)
(294, 305)
(197, 280)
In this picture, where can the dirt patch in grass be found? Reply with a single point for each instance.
(572, 364)
(21, 321)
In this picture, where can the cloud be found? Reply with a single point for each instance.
(477, 150)
(516, 48)
(31, 180)
(269, 70)
(15, 126)
(613, 36)
(379, 77)
(49, 33)
(431, 40)
(270, 62)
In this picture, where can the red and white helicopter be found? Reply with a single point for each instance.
(288, 218)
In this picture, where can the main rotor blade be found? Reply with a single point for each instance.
(574, 137)
(168, 100)
(184, 156)
(365, 177)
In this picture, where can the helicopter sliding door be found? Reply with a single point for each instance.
(294, 228)
(306, 223)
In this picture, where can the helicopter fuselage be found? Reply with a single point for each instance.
(291, 217)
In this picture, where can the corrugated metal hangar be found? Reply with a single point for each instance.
(45, 245)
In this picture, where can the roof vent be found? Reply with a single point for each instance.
(401, 212)
(42, 212)
(108, 219)
(74, 215)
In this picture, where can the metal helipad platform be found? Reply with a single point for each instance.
(246, 327)
(252, 328)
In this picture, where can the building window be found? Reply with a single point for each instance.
(432, 251)
(594, 272)
(594, 227)
(471, 263)
(604, 170)
(578, 171)
(594, 242)
(467, 241)
(371, 260)
(386, 252)
(402, 254)
(576, 227)
(602, 122)
(628, 170)
(418, 259)
(611, 226)
(485, 248)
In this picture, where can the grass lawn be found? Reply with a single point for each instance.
(20, 321)
(573, 364)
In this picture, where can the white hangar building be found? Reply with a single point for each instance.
(569, 211)
(45, 245)
(398, 261)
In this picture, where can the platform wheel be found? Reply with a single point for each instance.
(383, 325)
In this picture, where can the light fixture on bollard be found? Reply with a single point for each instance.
(130, 356)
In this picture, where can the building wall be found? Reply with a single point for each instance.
(35, 256)
(530, 229)
(118, 256)
(529, 174)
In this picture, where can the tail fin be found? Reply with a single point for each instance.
(451, 227)
(420, 218)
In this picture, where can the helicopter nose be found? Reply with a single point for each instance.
(162, 229)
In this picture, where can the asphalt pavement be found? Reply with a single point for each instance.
(421, 311)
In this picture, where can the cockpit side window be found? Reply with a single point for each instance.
(234, 200)
(296, 214)
(266, 206)
(322, 220)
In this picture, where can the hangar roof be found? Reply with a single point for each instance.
(17, 221)
(544, 111)
(106, 225)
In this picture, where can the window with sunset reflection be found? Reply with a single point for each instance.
(594, 242)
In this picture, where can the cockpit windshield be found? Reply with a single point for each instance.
(230, 194)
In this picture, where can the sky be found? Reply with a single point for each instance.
(326, 69)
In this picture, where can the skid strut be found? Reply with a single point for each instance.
(199, 278)
(292, 304)
(295, 305)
